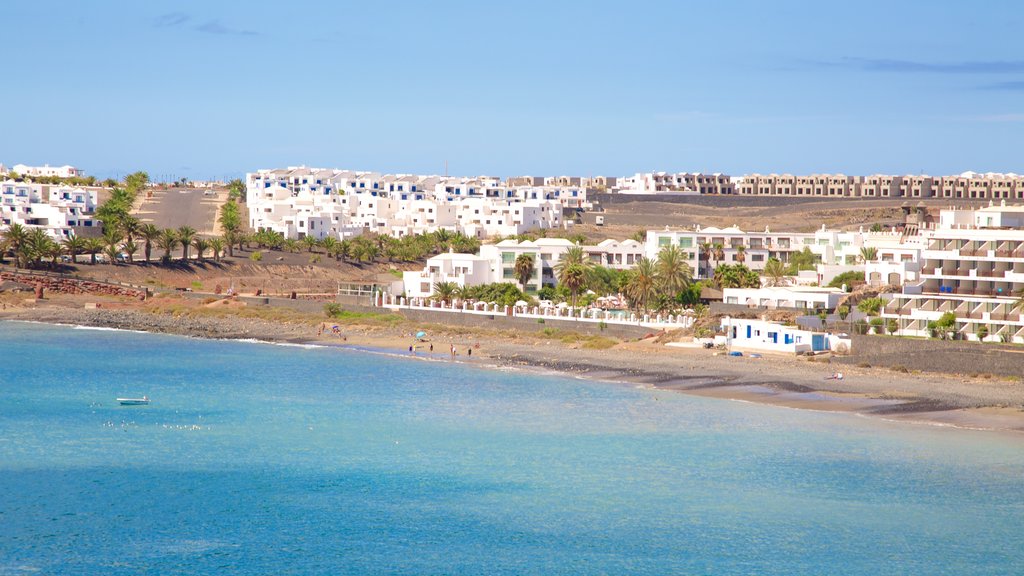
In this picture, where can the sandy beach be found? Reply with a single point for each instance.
(948, 400)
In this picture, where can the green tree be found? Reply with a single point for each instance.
(775, 273)
(16, 236)
(573, 271)
(73, 246)
(236, 189)
(443, 291)
(167, 242)
(802, 260)
(524, 268)
(201, 245)
(871, 306)
(642, 285)
(217, 246)
(130, 247)
(848, 279)
(672, 271)
(149, 234)
(93, 246)
(185, 235)
(892, 326)
(868, 254)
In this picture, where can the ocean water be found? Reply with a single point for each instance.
(264, 459)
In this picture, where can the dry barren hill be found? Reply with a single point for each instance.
(293, 272)
(622, 219)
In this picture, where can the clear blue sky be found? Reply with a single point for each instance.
(215, 89)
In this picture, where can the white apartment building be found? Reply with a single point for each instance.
(753, 249)
(59, 210)
(302, 201)
(47, 170)
(972, 266)
(680, 184)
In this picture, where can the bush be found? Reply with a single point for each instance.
(848, 278)
(256, 256)
(871, 306)
(892, 326)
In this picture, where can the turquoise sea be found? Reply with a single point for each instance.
(263, 459)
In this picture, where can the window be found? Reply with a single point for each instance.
(508, 257)
(686, 242)
(664, 241)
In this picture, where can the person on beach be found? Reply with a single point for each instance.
(453, 350)
(431, 346)
(469, 351)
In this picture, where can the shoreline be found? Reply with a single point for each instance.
(938, 400)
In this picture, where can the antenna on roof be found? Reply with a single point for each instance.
(445, 168)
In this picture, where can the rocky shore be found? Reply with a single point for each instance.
(786, 381)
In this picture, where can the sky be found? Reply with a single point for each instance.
(211, 90)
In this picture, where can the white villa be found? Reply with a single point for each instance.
(462, 269)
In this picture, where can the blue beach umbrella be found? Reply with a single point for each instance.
(420, 334)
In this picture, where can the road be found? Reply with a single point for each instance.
(196, 208)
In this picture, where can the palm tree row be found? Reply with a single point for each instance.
(364, 248)
(662, 279)
(30, 247)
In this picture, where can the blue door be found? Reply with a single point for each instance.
(818, 342)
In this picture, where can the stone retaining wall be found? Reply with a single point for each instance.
(67, 285)
(956, 357)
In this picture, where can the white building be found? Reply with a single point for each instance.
(47, 170)
(972, 266)
(800, 297)
(302, 201)
(462, 269)
(763, 335)
(58, 209)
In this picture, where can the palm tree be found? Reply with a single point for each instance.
(868, 254)
(344, 249)
(672, 271)
(741, 253)
(167, 242)
(131, 227)
(149, 233)
(201, 245)
(573, 271)
(53, 251)
(130, 248)
(775, 273)
(36, 246)
(112, 243)
(309, 242)
(93, 246)
(217, 245)
(718, 251)
(643, 283)
(524, 269)
(73, 246)
(444, 291)
(16, 236)
(330, 245)
(185, 236)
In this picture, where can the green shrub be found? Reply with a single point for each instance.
(256, 256)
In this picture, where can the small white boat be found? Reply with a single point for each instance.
(134, 401)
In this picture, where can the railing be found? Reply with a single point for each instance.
(591, 315)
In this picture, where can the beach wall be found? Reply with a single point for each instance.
(500, 322)
(948, 356)
(67, 285)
